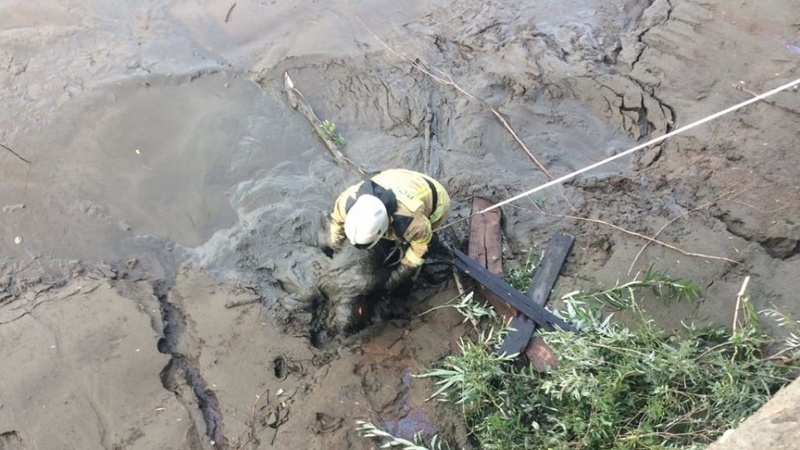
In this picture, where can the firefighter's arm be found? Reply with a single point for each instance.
(418, 237)
(413, 257)
(337, 220)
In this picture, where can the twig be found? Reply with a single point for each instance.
(230, 10)
(461, 291)
(192, 219)
(769, 102)
(14, 153)
(655, 241)
(633, 233)
(252, 435)
(459, 286)
(295, 98)
(705, 205)
(446, 304)
(739, 299)
(242, 302)
(279, 423)
(447, 80)
(772, 211)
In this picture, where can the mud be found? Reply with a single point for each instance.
(158, 174)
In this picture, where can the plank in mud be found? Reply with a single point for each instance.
(541, 316)
(486, 248)
(542, 283)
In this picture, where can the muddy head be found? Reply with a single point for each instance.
(343, 298)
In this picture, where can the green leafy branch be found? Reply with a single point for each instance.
(619, 387)
(387, 440)
(329, 129)
(623, 296)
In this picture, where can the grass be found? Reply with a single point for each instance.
(619, 387)
(520, 277)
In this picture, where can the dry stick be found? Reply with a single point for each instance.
(772, 211)
(447, 80)
(459, 286)
(656, 241)
(461, 293)
(769, 102)
(241, 302)
(14, 153)
(633, 233)
(252, 435)
(279, 424)
(706, 205)
(316, 123)
(739, 299)
(230, 10)
(653, 141)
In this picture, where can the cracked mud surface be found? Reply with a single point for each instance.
(168, 177)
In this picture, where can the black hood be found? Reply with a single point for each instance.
(384, 195)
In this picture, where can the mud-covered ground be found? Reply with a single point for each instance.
(152, 172)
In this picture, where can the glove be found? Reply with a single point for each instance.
(399, 276)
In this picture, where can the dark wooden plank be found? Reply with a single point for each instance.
(486, 248)
(542, 283)
(545, 276)
(516, 341)
(513, 297)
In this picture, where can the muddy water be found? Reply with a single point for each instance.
(153, 156)
(162, 125)
(133, 128)
(142, 120)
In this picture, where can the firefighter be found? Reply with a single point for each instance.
(398, 208)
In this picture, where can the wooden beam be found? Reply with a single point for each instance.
(486, 248)
(513, 297)
(542, 283)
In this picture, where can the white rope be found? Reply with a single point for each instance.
(639, 147)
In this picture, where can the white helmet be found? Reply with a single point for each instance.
(366, 221)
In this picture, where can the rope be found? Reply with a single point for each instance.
(629, 151)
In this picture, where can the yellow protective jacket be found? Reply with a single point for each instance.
(415, 207)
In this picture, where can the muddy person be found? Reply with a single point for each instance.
(380, 231)
(398, 208)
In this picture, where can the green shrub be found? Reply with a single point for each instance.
(618, 387)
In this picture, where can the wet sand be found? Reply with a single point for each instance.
(168, 176)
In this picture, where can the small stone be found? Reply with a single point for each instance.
(13, 208)
(18, 240)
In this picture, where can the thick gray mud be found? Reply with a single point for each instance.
(160, 142)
